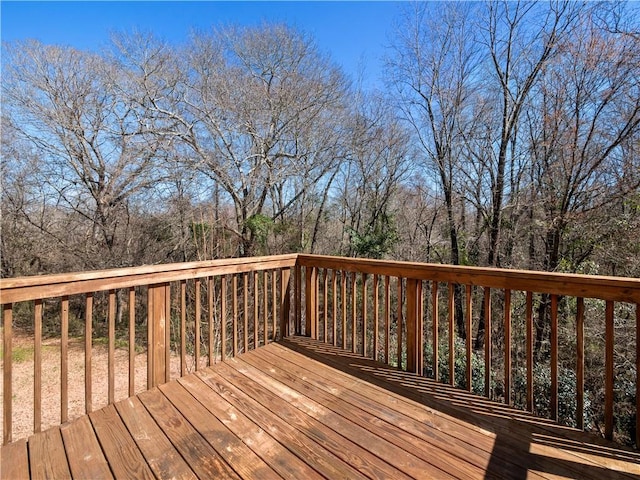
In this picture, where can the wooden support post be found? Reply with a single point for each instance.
(158, 304)
(285, 302)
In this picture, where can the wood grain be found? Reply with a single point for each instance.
(47, 456)
(197, 452)
(83, 451)
(119, 448)
(37, 366)
(162, 457)
(14, 461)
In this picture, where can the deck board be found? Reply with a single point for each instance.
(162, 457)
(84, 454)
(304, 409)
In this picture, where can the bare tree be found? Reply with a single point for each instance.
(94, 150)
(433, 72)
(521, 38)
(257, 109)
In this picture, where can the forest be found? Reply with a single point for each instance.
(507, 134)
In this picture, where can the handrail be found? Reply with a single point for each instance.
(618, 289)
(49, 286)
(395, 312)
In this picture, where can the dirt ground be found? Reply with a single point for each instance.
(22, 375)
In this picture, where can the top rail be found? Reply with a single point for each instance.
(52, 286)
(616, 289)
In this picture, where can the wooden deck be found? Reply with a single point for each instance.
(302, 409)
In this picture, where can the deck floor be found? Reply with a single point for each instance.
(303, 410)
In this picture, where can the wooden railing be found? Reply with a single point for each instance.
(203, 311)
(413, 316)
(400, 313)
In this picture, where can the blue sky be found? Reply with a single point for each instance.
(353, 33)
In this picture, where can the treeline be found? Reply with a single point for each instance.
(507, 135)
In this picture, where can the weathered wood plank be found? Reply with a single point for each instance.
(270, 438)
(547, 446)
(345, 425)
(14, 461)
(384, 423)
(84, 454)
(436, 433)
(162, 457)
(124, 457)
(47, 457)
(319, 446)
(234, 451)
(201, 457)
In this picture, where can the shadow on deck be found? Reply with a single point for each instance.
(303, 409)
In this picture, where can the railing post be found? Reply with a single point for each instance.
(285, 302)
(413, 326)
(311, 302)
(158, 311)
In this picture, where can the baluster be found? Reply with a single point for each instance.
(609, 372)
(37, 366)
(580, 363)
(554, 357)
(487, 342)
(434, 324)
(198, 313)
(507, 346)
(64, 360)
(132, 341)
(452, 335)
(183, 327)
(468, 335)
(7, 400)
(376, 317)
(364, 314)
(387, 317)
(529, 349)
